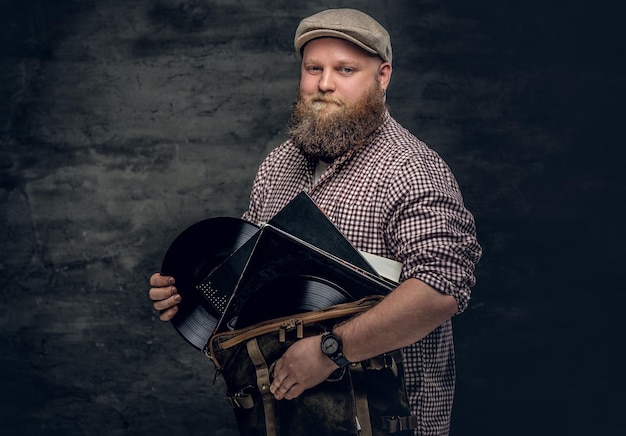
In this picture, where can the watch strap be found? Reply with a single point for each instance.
(340, 360)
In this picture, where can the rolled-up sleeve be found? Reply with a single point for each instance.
(429, 229)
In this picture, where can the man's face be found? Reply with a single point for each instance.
(340, 101)
(341, 72)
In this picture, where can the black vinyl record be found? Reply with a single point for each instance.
(287, 295)
(262, 283)
(194, 253)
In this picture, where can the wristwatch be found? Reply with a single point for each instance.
(332, 348)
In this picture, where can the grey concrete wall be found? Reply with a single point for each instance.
(124, 122)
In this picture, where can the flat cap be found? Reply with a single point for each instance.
(349, 24)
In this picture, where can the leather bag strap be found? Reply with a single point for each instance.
(360, 397)
(263, 383)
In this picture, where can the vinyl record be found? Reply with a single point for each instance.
(289, 295)
(197, 251)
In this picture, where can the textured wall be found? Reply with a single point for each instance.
(124, 121)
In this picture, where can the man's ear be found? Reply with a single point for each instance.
(384, 74)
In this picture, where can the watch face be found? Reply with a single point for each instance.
(330, 346)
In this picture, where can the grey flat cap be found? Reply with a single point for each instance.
(349, 24)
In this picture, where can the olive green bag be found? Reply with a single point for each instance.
(365, 398)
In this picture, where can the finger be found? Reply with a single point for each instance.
(158, 281)
(167, 303)
(276, 385)
(288, 391)
(279, 393)
(280, 387)
(157, 294)
(294, 392)
(168, 314)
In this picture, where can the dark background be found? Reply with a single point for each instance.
(122, 122)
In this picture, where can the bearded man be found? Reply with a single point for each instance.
(390, 195)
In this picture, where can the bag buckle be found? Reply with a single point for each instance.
(241, 399)
(288, 325)
(394, 424)
(381, 362)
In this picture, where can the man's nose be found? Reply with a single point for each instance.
(326, 82)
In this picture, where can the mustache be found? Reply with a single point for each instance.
(320, 97)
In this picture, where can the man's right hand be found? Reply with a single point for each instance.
(164, 295)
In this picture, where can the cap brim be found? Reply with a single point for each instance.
(320, 33)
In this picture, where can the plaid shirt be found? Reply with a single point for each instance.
(395, 198)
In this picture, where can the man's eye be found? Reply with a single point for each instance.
(346, 70)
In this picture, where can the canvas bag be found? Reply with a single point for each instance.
(365, 398)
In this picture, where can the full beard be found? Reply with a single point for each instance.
(327, 136)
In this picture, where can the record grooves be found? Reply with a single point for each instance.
(194, 253)
(287, 295)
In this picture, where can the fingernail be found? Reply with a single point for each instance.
(174, 290)
(177, 298)
(171, 280)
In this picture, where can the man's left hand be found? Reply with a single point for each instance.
(302, 367)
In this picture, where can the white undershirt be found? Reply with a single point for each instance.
(319, 170)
